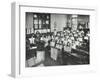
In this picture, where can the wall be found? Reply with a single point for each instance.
(60, 20)
(29, 20)
(84, 18)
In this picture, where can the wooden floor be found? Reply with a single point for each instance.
(67, 60)
(64, 60)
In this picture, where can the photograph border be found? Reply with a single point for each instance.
(16, 66)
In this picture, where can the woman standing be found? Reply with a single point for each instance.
(40, 48)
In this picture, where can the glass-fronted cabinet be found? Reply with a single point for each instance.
(41, 22)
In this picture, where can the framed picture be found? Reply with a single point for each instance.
(42, 25)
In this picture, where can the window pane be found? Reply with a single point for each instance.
(40, 22)
(39, 26)
(47, 17)
(35, 15)
(36, 26)
(35, 21)
(47, 21)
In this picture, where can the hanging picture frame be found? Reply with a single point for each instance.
(18, 62)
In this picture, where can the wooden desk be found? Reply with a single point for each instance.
(78, 56)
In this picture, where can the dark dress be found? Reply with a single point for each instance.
(39, 44)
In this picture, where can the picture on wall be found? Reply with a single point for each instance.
(53, 39)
